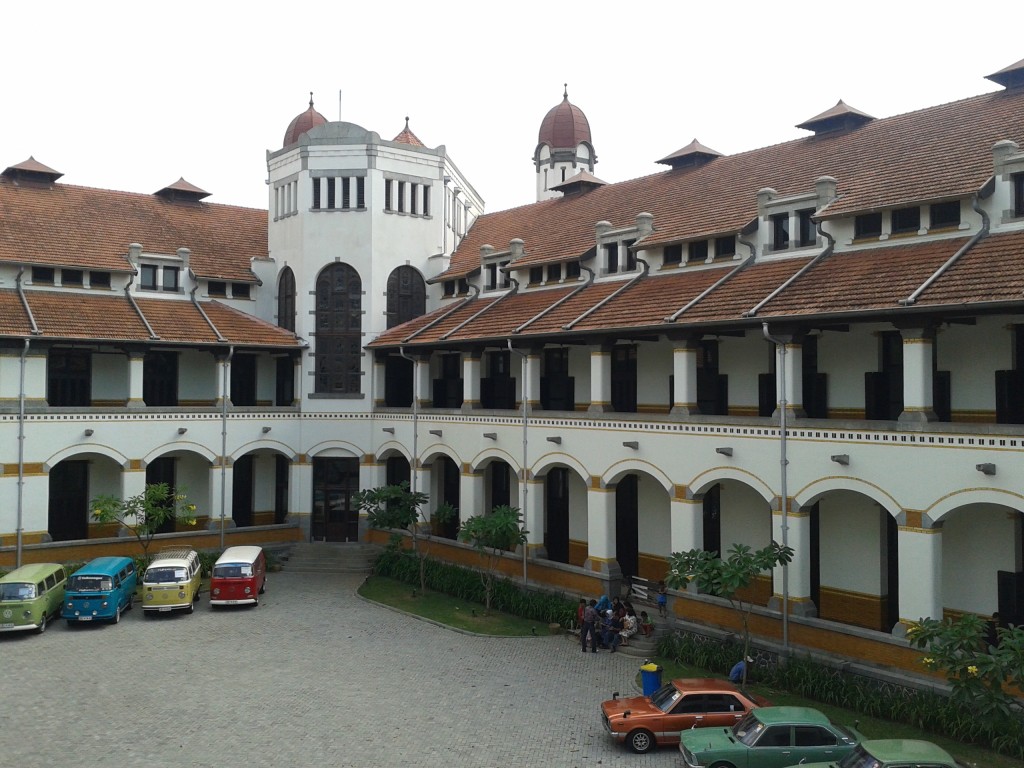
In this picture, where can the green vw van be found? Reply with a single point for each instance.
(30, 596)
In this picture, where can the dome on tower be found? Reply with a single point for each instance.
(564, 126)
(303, 122)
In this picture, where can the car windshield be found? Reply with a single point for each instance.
(165, 575)
(90, 583)
(859, 758)
(748, 729)
(232, 570)
(17, 591)
(665, 697)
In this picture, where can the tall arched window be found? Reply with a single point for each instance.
(339, 318)
(286, 300)
(407, 295)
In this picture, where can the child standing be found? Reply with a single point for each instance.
(662, 599)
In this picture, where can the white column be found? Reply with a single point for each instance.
(684, 377)
(794, 365)
(531, 390)
(135, 370)
(799, 578)
(422, 382)
(372, 474)
(601, 530)
(471, 369)
(221, 493)
(600, 379)
(133, 481)
(533, 517)
(920, 569)
(471, 494)
(223, 381)
(918, 349)
(686, 521)
(300, 492)
(297, 380)
(379, 375)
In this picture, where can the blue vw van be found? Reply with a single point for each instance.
(100, 590)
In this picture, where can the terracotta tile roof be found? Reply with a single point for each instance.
(991, 271)
(860, 281)
(408, 137)
(85, 228)
(937, 153)
(111, 317)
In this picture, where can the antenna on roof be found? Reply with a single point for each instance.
(339, 104)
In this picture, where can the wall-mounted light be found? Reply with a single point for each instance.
(389, 430)
(182, 430)
(88, 433)
(265, 430)
(724, 451)
(842, 458)
(631, 444)
(555, 440)
(986, 469)
(491, 435)
(435, 432)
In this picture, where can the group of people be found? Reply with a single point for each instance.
(610, 623)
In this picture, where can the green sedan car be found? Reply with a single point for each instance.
(769, 737)
(893, 753)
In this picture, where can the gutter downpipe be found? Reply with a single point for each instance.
(21, 454)
(912, 298)
(525, 371)
(784, 467)
(19, 525)
(224, 443)
(415, 416)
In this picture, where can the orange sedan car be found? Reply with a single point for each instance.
(644, 722)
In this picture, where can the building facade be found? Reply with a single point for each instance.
(818, 343)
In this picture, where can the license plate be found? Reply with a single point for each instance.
(85, 618)
(6, 626)
(165, 608)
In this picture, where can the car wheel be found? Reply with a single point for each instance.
(263, 587)
(641, 741)
(131, 602)
(42, 624)
(191, 607)
(117, 615)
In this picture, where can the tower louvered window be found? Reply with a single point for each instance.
(339, 317)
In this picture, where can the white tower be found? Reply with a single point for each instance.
(564, 147)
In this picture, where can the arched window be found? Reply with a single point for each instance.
(286, 300)
(339, 318)
(407, 295)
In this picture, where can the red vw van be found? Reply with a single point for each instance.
(239, 577)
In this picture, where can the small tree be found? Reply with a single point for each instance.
(726, 577)
(145, 513)
(978, 672)
(398, 508)
(491, 535)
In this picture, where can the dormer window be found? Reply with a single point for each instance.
(71, 277)
(673, 254)
(619, 257)
(147, 277)
(217, 288)
(697, 251)
(99, 279)
(780, 231)
(495, 276)
(239, 290)
(554, 273)
(808, 235)
(170, 279)
(154, 277)
(867, 225)
(906, 220)
(449, 288)
(1017, 181)
(572, 270)
(536, 275)
(945, 215)
(725, 247)
(42, 275)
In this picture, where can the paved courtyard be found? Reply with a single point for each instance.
(314, 676)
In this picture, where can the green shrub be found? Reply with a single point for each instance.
(464, 583)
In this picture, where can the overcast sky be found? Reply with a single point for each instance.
(132, 95)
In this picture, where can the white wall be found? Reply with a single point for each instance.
(977, 541)
(851, 533)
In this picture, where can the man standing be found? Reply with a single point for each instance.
(589, 627)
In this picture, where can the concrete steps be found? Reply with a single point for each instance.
(646, 647)
(331, 557)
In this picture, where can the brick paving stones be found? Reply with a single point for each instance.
(313, 676)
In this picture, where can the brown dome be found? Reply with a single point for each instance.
(564, 126)
(302, 123)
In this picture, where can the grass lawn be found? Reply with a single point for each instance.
(870, 727)
(446, 609)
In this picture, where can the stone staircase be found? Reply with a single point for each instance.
(646, 647)
(331, 557)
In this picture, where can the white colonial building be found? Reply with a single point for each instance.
(817, 342)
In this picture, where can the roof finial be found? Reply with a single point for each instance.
(407, 122)
(565, 93)
(310, 99)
